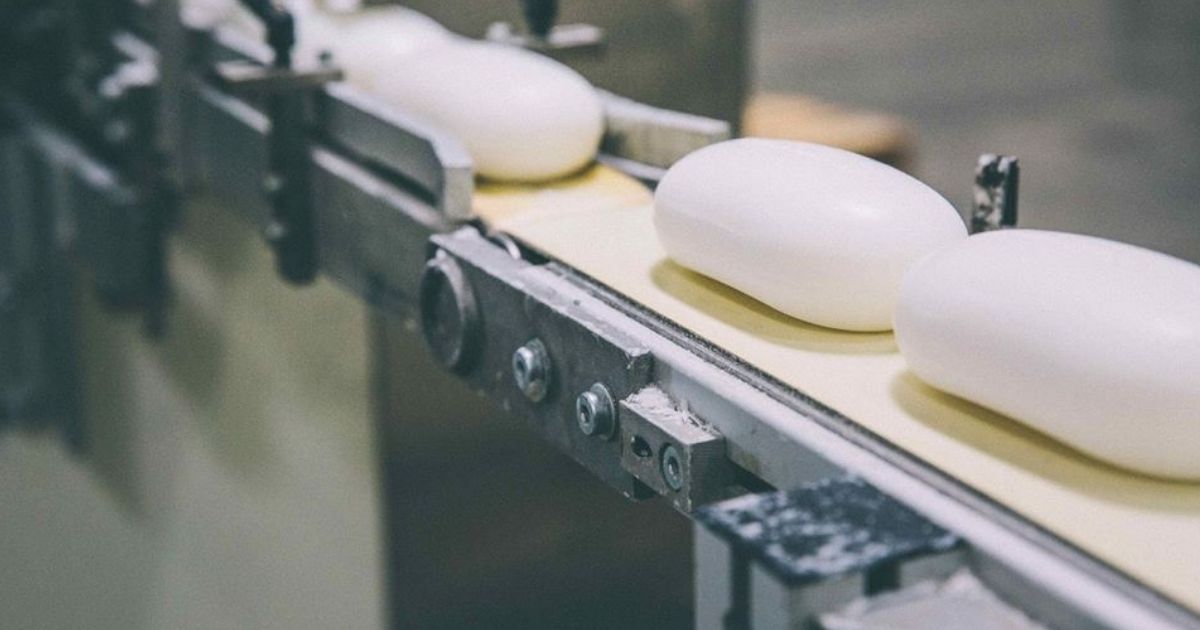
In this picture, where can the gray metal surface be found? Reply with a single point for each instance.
(523, 302)
(827, 529)
(813, 550)
(673, 452)
(654, 136)
(437, 162)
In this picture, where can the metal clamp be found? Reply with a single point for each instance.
(672, 451)
(996, 181)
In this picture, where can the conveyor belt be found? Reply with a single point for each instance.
(600, 224)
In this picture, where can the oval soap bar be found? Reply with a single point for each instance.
(821, 234)
(522, 116)
(1093, 342)
(368, 42)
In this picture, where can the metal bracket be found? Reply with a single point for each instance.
(996, 181)
(672, 451)
(541, 347)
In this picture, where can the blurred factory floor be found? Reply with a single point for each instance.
(1099, 98)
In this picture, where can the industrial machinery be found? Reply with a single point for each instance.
(821, 478)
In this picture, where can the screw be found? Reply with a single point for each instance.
(275, 231)
(672, 468)
(272, 185)
(531, 370)
(594, 411)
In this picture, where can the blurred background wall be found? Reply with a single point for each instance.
(1099, 98)
(232, 480)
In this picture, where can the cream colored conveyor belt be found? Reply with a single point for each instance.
(600, 224)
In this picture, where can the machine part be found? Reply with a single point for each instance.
(645, 140)
(291, 229)
(374, 235)
(247, 77)
(563, 41)
(781, 559)
(672, 468)
(540, 16)
(565, 343)
(596, 413)
(672, 451)
(280, 27)
(996, 182)
(432, 164)
(543, 35)
(449, 315)
(533, 370)
(39, 378)
(507, 243)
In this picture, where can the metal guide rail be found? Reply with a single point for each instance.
(652, 410)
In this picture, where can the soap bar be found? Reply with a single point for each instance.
(821, 234)
(1093, 342)
(363, 43)
(366, 43)
(522, 116)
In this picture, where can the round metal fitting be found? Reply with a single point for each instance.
(531, 370)
(449, 314)
(595, 412)
(671, 466)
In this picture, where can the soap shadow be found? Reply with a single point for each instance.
(741, 311)
(1037, 452)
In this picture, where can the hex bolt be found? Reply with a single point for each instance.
(531, 370)
(671, 468)
(272, 185)
(594, 412)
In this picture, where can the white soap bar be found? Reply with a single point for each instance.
(522, 116)
(821, 234)
(362, 43)
(206, 14)
(1093, 342)
(366, 43)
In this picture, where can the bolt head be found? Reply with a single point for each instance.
(272, 184)
(275, 232)
(671, 466)
(531, 370)
(587, 407)
(595, 413)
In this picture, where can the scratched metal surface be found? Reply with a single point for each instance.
(824, 530)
